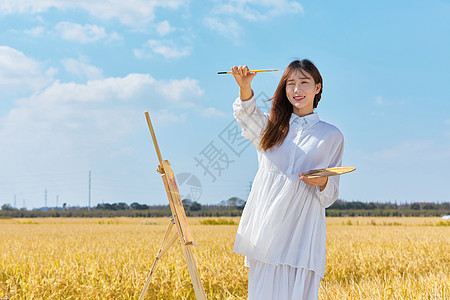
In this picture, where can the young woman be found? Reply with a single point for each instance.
(282, 228)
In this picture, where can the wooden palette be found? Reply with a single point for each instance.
(329, 172)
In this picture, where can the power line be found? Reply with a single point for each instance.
(89, 189)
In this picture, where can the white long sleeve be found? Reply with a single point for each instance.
(251, 118)
(331, 191)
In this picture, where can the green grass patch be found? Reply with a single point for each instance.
(28, 222)
(443, 223)
(217, 222)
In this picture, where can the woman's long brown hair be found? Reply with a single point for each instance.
(281, 111)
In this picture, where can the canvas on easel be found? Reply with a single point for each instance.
(179, 220)
(178, 204)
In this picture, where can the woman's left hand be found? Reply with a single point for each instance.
(320, 181)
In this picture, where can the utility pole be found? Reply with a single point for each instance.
(15, 201)
(56, 201)
(89, 189)
(45, 198)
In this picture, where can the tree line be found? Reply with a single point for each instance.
(227, 208)
(388, 209)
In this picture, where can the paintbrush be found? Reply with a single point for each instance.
(251, 71)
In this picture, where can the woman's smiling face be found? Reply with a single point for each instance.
(300, 91)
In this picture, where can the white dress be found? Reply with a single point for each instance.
(282, 230)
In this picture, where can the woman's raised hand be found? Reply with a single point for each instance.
(242, 75)
(243, 78)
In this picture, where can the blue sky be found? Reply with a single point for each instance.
(76, 77)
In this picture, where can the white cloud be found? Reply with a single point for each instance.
(379, 100)
(98, 110)
(39, 19)
(70, 126)
(19, 72)
(166, 117)
(81, 69)
(166, 48)
(163, 28)
(80, 33)
(254, 10)
(179, 92)
(108, 89)
(75, 123)
(141, 53)
(222, 17)
(228, 28)
(114, 36)
(212, 112)
(35, 31)
(134, 13)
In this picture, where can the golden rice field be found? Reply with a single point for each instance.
(367, 258)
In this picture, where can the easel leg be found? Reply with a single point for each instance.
(193, 271)
(162, 250)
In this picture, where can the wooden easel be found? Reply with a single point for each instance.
(179, 219)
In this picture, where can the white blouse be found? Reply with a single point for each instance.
(283, 221)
